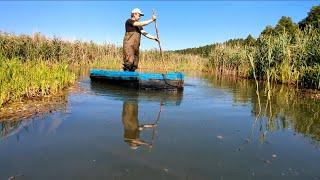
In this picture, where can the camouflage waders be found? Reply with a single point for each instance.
(131, 44)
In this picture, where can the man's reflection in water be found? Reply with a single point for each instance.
(131, 125)
(130, 98)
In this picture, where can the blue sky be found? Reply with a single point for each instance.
(181, 24)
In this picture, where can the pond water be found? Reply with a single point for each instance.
(213, 129)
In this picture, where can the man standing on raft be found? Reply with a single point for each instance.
(131, 41)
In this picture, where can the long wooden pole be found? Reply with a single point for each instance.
(157, 31)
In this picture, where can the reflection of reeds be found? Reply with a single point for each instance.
(28, 108)
(250, 57)
(17, 116)
(285, 109)
(9, 128)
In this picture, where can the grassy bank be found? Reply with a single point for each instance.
(152, 61)
(20, 79)
(35, 65)
(280, 58)
(55, 50)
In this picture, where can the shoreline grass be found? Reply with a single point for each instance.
(150, 61)
(292, 59)
(19, 80)
(37, 65)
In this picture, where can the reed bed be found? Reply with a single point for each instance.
(30, 79)
(170, 61)
(38, 46)
(282, 58)
(56, 50)
(36, 65)
(152, 60)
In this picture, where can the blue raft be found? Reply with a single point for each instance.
(172, 80)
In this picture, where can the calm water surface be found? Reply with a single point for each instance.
(214, 129)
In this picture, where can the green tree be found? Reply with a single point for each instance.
(250, 41)
(285, 24)
(313, 18)
(268, 31)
